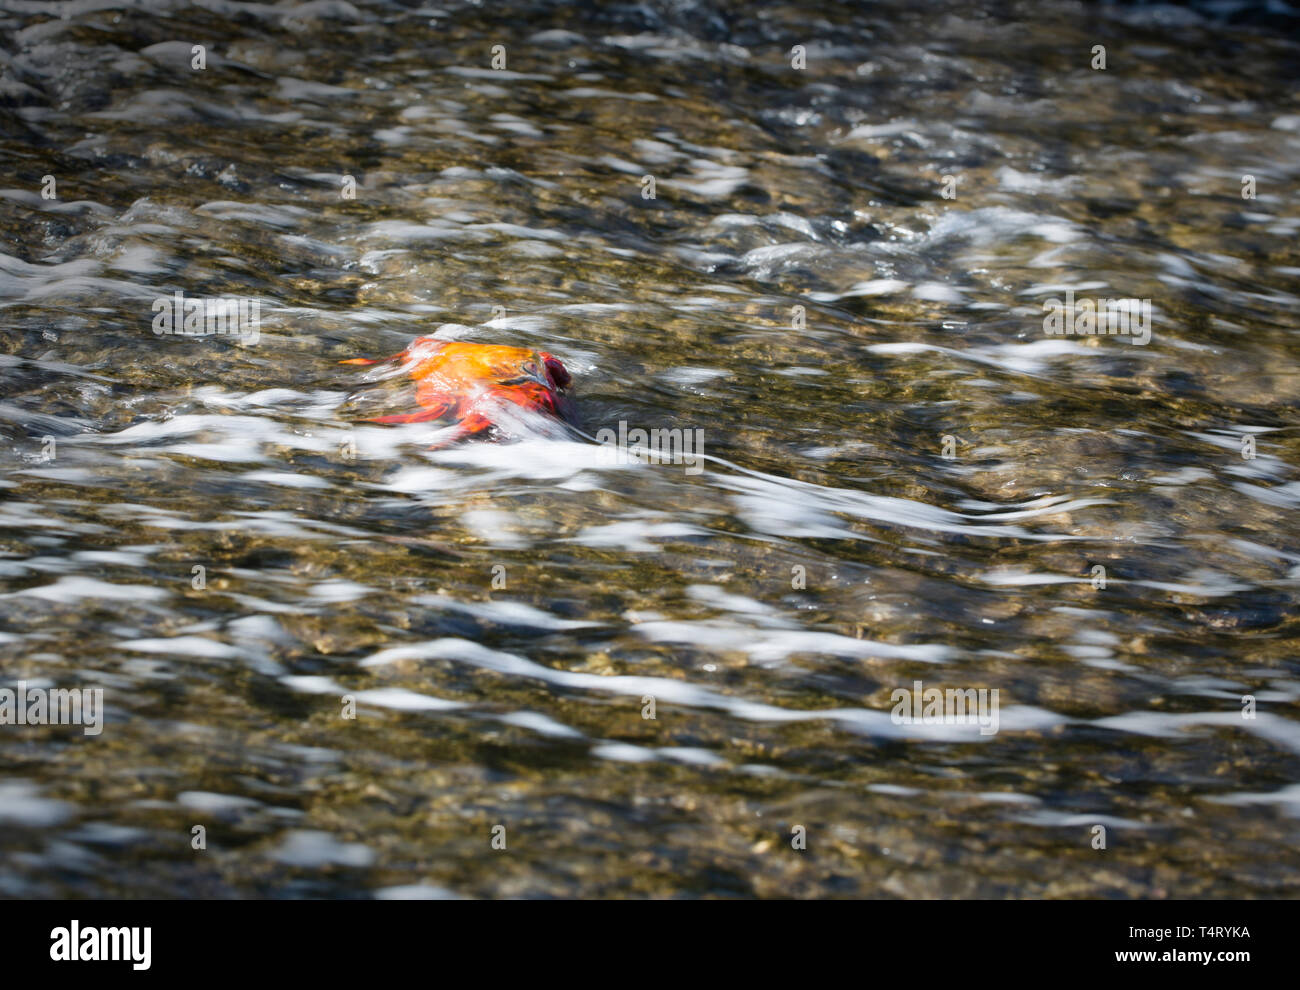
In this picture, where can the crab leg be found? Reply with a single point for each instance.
(471, 425)
(391, 357)
(423, 416)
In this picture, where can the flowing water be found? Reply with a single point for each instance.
(831, 260)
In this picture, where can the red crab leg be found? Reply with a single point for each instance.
(475, 423)
(423, 416)
(391, 357)
(467, 427)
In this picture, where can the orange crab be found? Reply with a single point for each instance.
(478, 383)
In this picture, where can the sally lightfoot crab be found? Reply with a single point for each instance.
(480, 385)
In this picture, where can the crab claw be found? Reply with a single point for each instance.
(560, 376)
